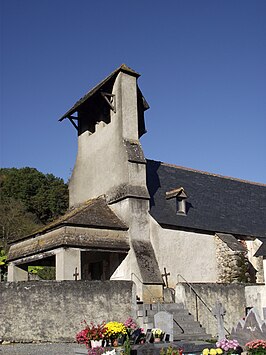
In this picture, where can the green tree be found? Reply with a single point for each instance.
(29, 199)
(3, 264)
(15, 221)
(43, 195)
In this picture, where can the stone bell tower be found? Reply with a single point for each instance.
(109, 120)
(110, 162)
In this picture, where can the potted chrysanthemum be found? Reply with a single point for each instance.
(256, 347)
(229, 346)
(130, 325)
(212, 351)
(157, 334)
(115, 331)
(92, 335)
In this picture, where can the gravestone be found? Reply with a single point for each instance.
(219, 312)
(164, 321)
(169, 295)
(253, 327)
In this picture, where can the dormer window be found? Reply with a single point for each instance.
(180, 195)
(180, 205)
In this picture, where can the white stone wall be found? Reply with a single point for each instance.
(256, 297)
(102, 162)
(232, 297)
(257, 262)
(67, 262)
(189, 254)
(53, 310)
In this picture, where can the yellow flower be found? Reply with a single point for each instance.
(157, 332)
(212, 352)
(219, 351)
(115, 329)
(205, 352)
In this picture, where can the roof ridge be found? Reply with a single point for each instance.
(211, 174)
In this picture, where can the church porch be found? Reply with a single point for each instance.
(75, 252)
(89, 231)
(69, 264)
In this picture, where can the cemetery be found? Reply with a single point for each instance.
(79, 311)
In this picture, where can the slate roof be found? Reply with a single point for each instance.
(262, 249)
(214, 204)
(231, 242)
(70, 236)
(94, 213)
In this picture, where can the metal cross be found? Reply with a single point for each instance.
(76, 274)
(165, 275)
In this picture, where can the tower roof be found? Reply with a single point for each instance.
(105, 85)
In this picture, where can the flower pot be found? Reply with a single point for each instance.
(119, 350)
(95, 343)
(115, 342)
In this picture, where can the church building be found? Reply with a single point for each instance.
(136, 219)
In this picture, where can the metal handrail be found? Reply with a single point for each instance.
(161, 304)
(200, 298)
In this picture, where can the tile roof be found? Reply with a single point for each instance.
(214, 204)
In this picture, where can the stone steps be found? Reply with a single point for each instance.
(192, 330)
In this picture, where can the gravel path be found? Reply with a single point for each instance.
(39, 349)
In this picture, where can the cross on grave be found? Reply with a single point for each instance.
(166, 278)
(219, 312)
(76, 274)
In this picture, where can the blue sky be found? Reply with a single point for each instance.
(203, 73)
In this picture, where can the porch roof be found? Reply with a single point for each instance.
(71, 236)
(94, 213)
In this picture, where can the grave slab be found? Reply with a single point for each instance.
(164, 321)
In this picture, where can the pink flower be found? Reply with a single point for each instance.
(130, 323)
